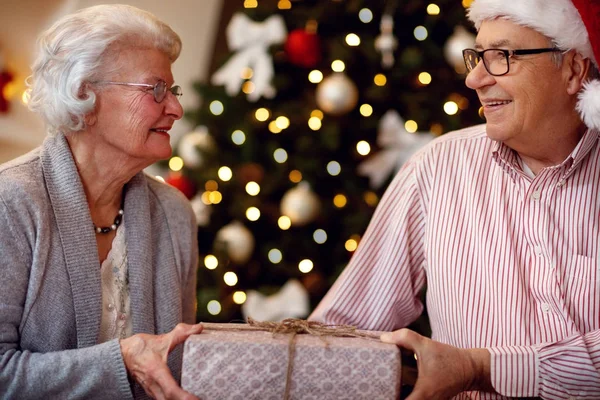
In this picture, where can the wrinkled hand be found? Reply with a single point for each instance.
(145, 358)
(443, 370)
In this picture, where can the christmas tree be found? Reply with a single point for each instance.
(299, 132)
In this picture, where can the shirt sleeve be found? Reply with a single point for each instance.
(567, 369)
(379, 289)
(96, 371)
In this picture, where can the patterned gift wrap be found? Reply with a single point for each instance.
(232, 361)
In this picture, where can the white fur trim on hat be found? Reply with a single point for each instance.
(588, 105)
(560, 21)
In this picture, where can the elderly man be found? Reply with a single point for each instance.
(500, 221)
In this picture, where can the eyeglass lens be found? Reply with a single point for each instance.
(160, 91)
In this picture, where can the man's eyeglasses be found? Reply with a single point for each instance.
(496, 61)
(159, 89)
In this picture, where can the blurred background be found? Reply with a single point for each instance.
(298, 114)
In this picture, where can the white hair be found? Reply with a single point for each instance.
(75, 50)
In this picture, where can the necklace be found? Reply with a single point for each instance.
(113, 227)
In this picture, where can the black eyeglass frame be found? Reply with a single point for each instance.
(159, 89)
(507, 54)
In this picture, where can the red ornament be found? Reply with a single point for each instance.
(303, 48)
(184, 184)
(5, 78)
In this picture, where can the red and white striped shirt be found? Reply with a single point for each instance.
(510, 262)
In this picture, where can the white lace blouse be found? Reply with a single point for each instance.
(116, 314)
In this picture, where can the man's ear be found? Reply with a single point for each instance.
(576, 69)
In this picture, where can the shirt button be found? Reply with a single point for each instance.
(545, 307)
(110, 307)
(538, 251)
(536, 195)
(560, 183)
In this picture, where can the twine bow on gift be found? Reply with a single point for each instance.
(296, 326)
(250, 40)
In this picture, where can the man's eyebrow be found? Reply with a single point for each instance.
(497, 44)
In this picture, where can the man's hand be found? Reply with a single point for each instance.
(145, 358)
(443, 371)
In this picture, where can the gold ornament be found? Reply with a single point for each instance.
(337, 94)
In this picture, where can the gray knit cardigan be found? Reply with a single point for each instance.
(50, 292)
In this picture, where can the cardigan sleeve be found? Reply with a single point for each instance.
(92, 372)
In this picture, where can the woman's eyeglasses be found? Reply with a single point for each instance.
(496, 61)
(159, 89)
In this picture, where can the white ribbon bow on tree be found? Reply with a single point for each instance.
(290, 302)
(251, 40)
(397, 145)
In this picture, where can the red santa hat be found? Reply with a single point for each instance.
(571, 24)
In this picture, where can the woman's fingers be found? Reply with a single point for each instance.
(181, 332)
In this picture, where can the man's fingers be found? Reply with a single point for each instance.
(404, 338)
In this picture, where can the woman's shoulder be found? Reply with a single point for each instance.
(22, 178)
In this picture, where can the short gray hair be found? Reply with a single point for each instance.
(75, 50)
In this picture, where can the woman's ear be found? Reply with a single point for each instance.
(90, 118)
(576, 69)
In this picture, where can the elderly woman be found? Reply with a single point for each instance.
(98, 261)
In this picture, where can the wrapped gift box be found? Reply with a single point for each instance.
(235, 361)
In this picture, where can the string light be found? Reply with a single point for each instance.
(317, 114)
(225, 174)
(216, 107)
(247, 73)
(273, 128)
(280, 155)
(365, 15)
(176, 164)
(282, 122)
(250, 3)
(380, 80)
(338, 66)
(320, 236)
(351, 245)
(284, 4)
(420, 33)
(215, 197)
(315, 76)
(238, 137)
(214, 307)
(467, 3)
(252, 188)
(253, 214)
(334, 168)
(262, 114)
(366, 110)
(363, 148)
(275, 256)
(230, 278)
(411, 126)
(239, 297)
(211, 185)
(424, 78)
(305, 266)
(352, 39)
(433, 9)
(248, 87)
(371, 198)
(295, 176)
(314, 123)
(340, 201)
(211, 262)
(450, 108)
(206, 198)
(436, 129)
(284, 222)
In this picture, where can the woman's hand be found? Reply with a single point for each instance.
(443, 370)
(145, 358)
